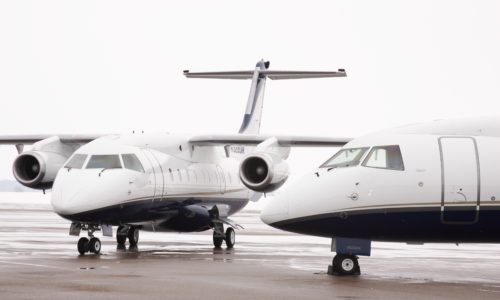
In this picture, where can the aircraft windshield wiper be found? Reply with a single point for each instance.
(104, 169)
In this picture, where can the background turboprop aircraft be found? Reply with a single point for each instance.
(162, 182)
(432, 182)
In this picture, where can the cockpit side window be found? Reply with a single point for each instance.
(345, 158)
(104, 162)
(131, 162)
(385, 157)
(76, 162)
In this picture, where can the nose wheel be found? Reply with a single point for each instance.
(343, 264)
(85, 245)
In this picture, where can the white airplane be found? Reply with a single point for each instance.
(162, 182)
(433, 182)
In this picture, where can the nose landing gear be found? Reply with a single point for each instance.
(346, 260)
(344, 265)
(93, 245)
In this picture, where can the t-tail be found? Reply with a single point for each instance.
(253, 112)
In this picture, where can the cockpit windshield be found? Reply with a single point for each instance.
(345, 158)
(131, 162)
(385, 157)
(76, 162)
(104, 162)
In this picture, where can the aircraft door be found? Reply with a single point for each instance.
(460, 180)
(155, 173)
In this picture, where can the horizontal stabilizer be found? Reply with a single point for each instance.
(253, 112)
(220, 75)
(271, 74)
(286, 141)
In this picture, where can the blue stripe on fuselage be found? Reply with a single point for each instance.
(145, 210)
(401, 226)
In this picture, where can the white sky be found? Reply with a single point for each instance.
(114, 66)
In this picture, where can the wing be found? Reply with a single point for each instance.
(29, 139)
(286, 141)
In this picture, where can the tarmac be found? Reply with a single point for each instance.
(39, 260)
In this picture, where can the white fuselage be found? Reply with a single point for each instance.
(447, 190)
(174, 174)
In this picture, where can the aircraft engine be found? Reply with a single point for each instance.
(263, 172)
(37, 169)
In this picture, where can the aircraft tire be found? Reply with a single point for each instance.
(133, 236)
(346, 265)
(120, 239)
(95, 245)
(217, 241)
(230, 237)
(83, 245)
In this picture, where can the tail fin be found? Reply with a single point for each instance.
(253, 112)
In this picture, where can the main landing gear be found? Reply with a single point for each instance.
(127, 232)
(346, 260)
(219, 236)
(218, 226)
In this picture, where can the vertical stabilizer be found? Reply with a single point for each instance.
(253, 112)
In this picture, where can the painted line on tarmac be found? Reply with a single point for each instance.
(32, 265)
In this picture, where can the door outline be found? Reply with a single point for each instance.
(155, 164)
(478, 168)
(222, 177)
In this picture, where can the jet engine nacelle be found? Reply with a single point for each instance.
(37, 169)
(263, 172)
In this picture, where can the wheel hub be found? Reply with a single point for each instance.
(347, 264)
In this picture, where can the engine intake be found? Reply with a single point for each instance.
(37, 169)
(263, 172)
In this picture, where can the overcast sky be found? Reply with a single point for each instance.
(115, 66)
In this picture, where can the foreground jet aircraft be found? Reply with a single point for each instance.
(433, 182)
(162, 182)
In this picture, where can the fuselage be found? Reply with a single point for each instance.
(153, 180)
(435, 182)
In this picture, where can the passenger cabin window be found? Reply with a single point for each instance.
(345, 158)
(385, 157)
(131, 162)
(104, 162)
(76, 162)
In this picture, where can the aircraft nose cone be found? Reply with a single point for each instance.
(63, 197)
(71, 192)
(276, 210)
